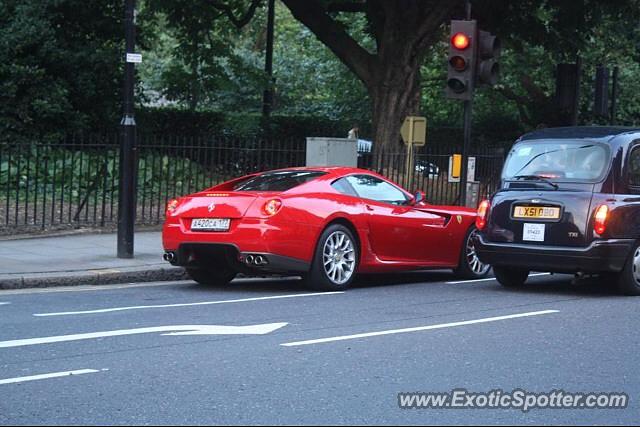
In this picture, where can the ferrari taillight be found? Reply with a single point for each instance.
(271, 207)
(481, 218)
(172, 205)
(600, 223)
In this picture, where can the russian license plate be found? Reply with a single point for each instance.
(533, 232)
(210, 224)
(539, 212)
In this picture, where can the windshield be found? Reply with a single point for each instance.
(557, 161)
(277, 181)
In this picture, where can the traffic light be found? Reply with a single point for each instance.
(462, 60)
(488, 68)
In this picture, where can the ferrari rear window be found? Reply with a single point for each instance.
(277, 181)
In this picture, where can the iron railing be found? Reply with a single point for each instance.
(73, 182)
(428, 171)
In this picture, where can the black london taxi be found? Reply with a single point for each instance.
(569, 202)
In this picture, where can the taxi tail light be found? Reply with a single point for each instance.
(600, 223)
(271, 207)
(483, 211)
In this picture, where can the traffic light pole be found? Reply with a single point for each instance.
(267, 98)
(126, 193)
(466, 145)
(614, 96)
(466, 142)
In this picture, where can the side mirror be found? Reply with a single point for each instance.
(418, 197)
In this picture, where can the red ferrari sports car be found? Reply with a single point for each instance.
(323, 223)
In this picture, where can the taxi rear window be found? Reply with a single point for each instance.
(569, 161)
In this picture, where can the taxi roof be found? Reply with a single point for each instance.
(592, 133)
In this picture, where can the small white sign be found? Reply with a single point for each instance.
(533, 232)
(471, 169)
(135, 58)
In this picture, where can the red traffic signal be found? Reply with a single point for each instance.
(463, 48)
(460, 41)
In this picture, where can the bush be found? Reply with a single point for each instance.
(196, 123)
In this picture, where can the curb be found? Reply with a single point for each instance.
(92, 277)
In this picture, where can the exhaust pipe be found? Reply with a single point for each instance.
(169, 256)
(253, 260)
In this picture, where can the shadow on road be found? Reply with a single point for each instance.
(562, 284)
(295, 284)
(558, 284)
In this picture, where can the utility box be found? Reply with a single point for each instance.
(473, 194)
(332, 152)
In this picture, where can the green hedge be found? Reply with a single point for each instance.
(191, 123)
(187, 123)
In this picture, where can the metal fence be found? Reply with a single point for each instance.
(73, 182)
(428, 171)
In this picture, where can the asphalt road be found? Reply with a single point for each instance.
(414, 333)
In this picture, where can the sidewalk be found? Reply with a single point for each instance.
(82, 259)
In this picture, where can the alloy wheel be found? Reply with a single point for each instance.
(475, 265)
(636, 265)
(338, 257)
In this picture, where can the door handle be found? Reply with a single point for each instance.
(369, 208)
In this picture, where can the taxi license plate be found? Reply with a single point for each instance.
(537, 212)
(210, 224)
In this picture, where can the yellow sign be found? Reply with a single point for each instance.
(414, 130)
(456, 166)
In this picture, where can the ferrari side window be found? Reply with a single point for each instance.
(373, 188)
(342, 186)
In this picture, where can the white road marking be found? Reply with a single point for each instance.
(5, 303)
(168, 330)
(190, 304)
(47, 376)
(491, 278)
(417, 329)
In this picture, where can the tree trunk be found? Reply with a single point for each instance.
(395, 94)
(403, 31)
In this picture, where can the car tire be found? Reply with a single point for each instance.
(510, 277)
(469, 265)
(629, 277)
(335, 260)
(209, 277)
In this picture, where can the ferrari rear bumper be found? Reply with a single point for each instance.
(227, 254)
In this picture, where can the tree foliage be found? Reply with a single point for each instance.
(365, 61)
(60, 66)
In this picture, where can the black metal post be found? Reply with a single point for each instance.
(576, 100)
(614, 95)
(466, 145)
(127, 187)
(267, 99)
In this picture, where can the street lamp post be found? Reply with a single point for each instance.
(128, 155)
(267, 98)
